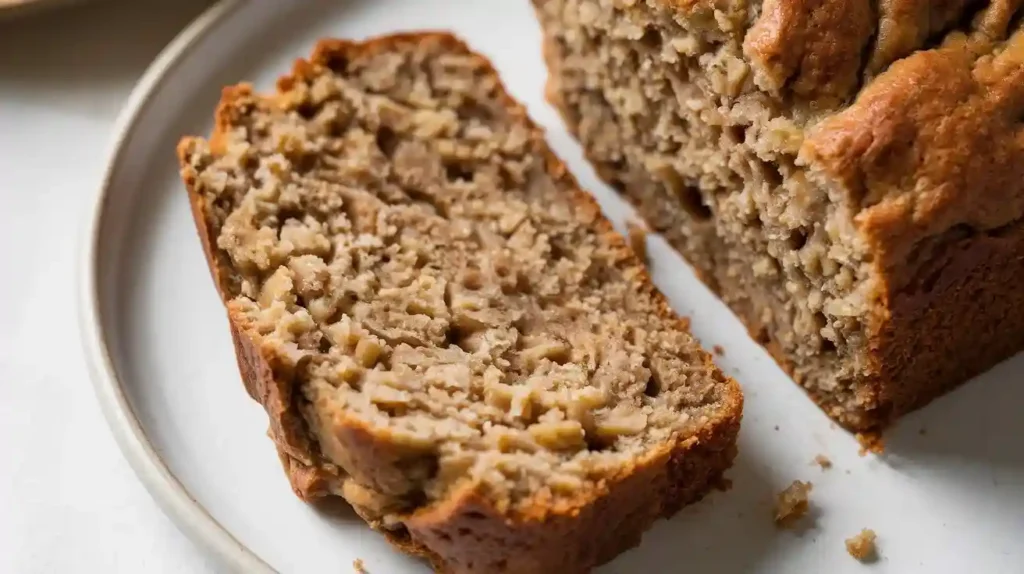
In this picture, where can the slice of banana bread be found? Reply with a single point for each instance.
(847, 175)
(442, 327)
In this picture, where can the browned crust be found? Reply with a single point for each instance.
(932, 156)
(934, 142)
(962, 314)
(826, 49)
(588, 534)
(812, 47)
(287, 429)
(464, 533)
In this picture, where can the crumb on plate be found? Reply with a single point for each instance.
(862, 546)
(792, 503)
(723, 484)
(359, 567)
(637, 233)
(719, 350)
(870, 442)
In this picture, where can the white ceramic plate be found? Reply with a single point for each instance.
(948, 496)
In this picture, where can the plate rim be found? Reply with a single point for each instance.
(174, 500)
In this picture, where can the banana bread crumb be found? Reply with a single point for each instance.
(441, 325)
(792, 503)
(637, 233)
(358, 567)
(862, 546)
(823, 461)
(719, 350)
(870, 442)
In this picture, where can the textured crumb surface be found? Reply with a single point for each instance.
(358, 567)
(792, 152)
(862, 546)
(451, 327)
(792, 503)
(402, 247)
(823, 461)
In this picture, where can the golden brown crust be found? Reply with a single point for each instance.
(464, 533)
(962, 314)
(931, 153)
(813, 47)
(934, 142)
(589, 534)
(905, 25)
(287, 429)
(823, 51)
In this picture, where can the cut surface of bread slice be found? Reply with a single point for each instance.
(442, 327)
(848, 176)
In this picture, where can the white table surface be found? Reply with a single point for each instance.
(68, 500)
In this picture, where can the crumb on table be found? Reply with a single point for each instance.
(359, 567)
(637, 234)
(870, 442)
(823, 461)
(719, 350)
(723, 484)
(862, 546)
(792, 503)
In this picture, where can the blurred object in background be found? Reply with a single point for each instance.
(12, 8)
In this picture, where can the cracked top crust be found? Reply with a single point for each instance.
(913, 109)
(936, 141)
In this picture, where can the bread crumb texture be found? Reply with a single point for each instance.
(446, 331)
(862, 546)
(358, 567)
(792, 503)
(823, 461)
(833, 170)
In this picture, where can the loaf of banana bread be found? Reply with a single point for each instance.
(442, 327)
(847, 175)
